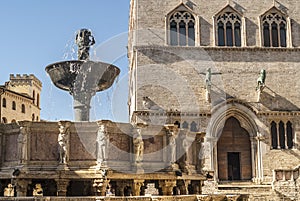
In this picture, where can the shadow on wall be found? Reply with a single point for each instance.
(273, 101)
(251, 38)
(205, 32)
(295, 33)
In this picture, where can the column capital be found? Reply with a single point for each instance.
(62, 185)
(167, 186)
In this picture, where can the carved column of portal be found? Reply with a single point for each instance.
(167, 186)
(21, 187)
(62, 185)
(136, 187)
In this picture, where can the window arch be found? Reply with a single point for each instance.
(33, 96)
(274, 135)
(194, 127)
(282, 135)
(4, 120)
(177, 123)
(274, 29)
(13, 121)
(185, 125)
(33, 117)
(38, 100)
(4, 102)
(229, 26)
(13, 106)
(182, 29)
(23, 109)
(289, 133)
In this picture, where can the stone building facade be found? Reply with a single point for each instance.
(20, 99)
(228, 69)
(213, 106)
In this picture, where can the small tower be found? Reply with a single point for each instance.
(21, 98)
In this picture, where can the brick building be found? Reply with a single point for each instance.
(20, 99)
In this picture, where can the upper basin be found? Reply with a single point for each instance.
(81, 75)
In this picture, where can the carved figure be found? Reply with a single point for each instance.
(63, 140)
(38, 190)
(102, 143)
(22, 144)
(186, 144)
(84, 40)
(138, 146)
(172, 144)
(150, 105)
(9, 191)
(261, 80)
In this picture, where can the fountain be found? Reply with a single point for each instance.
(82, 77)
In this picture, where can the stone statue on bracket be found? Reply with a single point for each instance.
(261, 80)
(102, 144)
(63, 141)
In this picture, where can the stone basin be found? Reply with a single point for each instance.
(81, 75)
(82, 79)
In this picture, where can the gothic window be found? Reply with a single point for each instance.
(23, 108)
(274, 135)
(194, 127)
(38, 100)
(33, 96)
(229, 29)
(274, 26)
(289, 133)
(14, 107)
(185, 125)
(4, 102)
(182, 29)
(32, 117)
(282, 135)
(177, 123)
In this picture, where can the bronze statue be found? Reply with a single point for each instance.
(84, 40)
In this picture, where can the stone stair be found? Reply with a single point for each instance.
(250, 190)
(279, 159)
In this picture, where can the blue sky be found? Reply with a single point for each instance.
(36, 33)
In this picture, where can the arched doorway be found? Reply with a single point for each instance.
(234, 152)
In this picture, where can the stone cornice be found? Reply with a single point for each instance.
(216, 48)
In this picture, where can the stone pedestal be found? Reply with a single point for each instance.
(167, 186)
(138, 168)
(62, 185)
